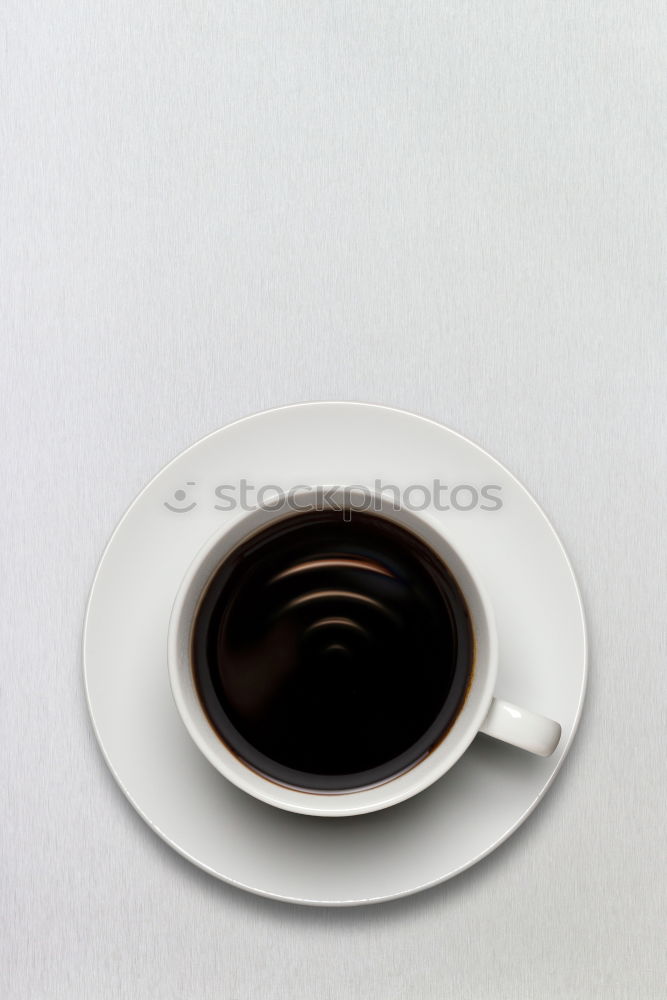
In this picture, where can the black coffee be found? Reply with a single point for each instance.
(332, 654)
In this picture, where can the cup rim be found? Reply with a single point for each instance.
(459, 734)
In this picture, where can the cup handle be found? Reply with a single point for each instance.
(521, 728)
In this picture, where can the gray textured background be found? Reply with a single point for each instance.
(212, 208)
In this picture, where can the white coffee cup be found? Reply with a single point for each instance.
(481, 711)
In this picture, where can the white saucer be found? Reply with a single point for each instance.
(334, 862)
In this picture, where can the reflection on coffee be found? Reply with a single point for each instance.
(332, 654)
